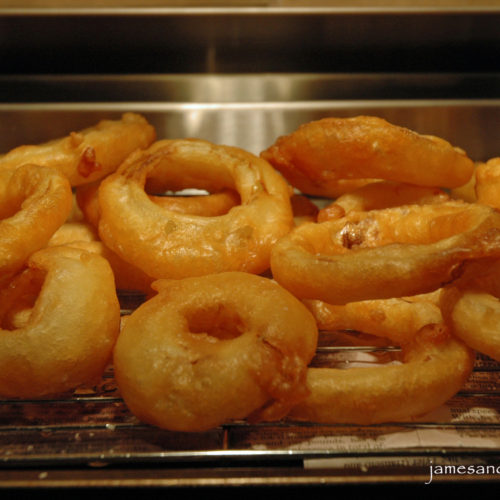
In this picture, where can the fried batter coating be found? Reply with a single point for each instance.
(319, 153)
(435, 367)
(59, 320)
(89, 154)
(210, 349)
(393, 252)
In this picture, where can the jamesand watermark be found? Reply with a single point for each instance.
(436, 471)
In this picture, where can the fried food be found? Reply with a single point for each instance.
(208, 205)
(321, 152)
(435, 367)
(487, 185)
(304, 210)
(127, 276)
(34, 203)
(73, 231)
(394, 252)
(397, 318)
(89, 154)
(383, 194)
(166, 244)
(211, 349)
(473, 308)
(59, 320)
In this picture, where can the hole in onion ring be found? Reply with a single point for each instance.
(217, 322)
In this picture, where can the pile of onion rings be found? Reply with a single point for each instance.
(409, 256)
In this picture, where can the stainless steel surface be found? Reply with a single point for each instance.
(472, 124)
(251, 39)
(247, 87)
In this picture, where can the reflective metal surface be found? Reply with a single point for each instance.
(255, 40)
(247, 87)
(469, 124)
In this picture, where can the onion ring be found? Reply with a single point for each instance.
(165, 244)
(211, 349)
(208, 205)
(34, 203)
(384, 253)
(73, 231)
(90, 154)
(127, 276)
(330, 149)
(473, 308)
(304, 210)
(436, 365)
(67, 336)
(397, 318)
(378, 195)
(487, 186)
(84, 236)
(467, 192)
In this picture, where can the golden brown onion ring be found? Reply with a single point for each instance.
(488, 183)
(165, 244)
(34, 203)
(472, 306)
(89, 154)
(67, 336)
(84, 236)
(304, 210)
(436, 365)
(324, 151)
(378, 195)
(397, 318)
(395, 252)
(215, 348)
(338, 187)
(127, 276)
(467, 192)
(206, 205)
(73, 231)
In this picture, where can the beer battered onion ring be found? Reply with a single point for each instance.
(73, 231)
(127, 276)
(165, 244)
(394, 252)
(211, 349)
(89, 154)
(397, 318)
(379, 195)
(67, 336)
(473, 307)
(319, 153)
(34, 203)
(206, 205)
(487, 187)
(435, 367)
